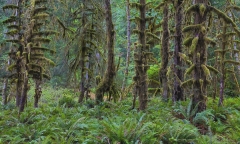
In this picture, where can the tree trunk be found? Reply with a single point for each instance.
(128, 47)
(178, 65)
(20, 70)
(38, 92)
(222, 66)
(4, 91)
(199, 59)
(24, 94)
(82, 61)
(164, 54)
(141, 61)
(107, 81)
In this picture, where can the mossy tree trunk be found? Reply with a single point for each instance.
(38, 92)
(107, 81)
(128, 47)
(178, 65)
(222, 65)
(82, 58)
(142, 65)
(4, 91)
(199, 59)
(19, 64)
(165, 54)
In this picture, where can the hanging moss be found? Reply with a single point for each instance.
(10, 20)
(192, 8)
(39, 1)
(210, 41)
(44, 33)
(205, 70)
(194, 45)
(189, 70)
(202, 9)
(160, 5)
(237, 8)
(9, 7)
(12, 32)
(222, 15)
(232, 62)
(13, 27)
(40, 39)
(236, 41)
(192, 28)
(188, 41)
(43, 58)
(203, 30)
(11, 67)
(237, 30)
(136, 31)
(153, 36)
(212, 69)
(185, 58)
(39, 10)
(187, 83)
(230, 34)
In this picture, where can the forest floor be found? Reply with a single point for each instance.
(60, 119)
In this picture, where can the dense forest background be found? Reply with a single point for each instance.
(120, 71)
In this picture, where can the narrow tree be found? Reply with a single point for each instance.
(164, 52)
(178, 65)
(128, 47)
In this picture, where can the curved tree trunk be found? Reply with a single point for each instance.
(107, 81)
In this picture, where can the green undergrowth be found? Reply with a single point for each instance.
(60, 119)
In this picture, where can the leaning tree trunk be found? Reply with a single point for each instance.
(107, 81)
(128, 47)
(164, 54)
(199, 59)
(178, 65)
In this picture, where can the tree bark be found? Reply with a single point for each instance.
(24, 94)
(142, 64)
(178, 65)
(128, 47)
(20, 70)
(82, 61)
(38, 92)
(164, 54)
(222, 66)
(4, 91)
(107, 81)
(199, 59)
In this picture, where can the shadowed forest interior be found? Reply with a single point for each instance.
(120, 71)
